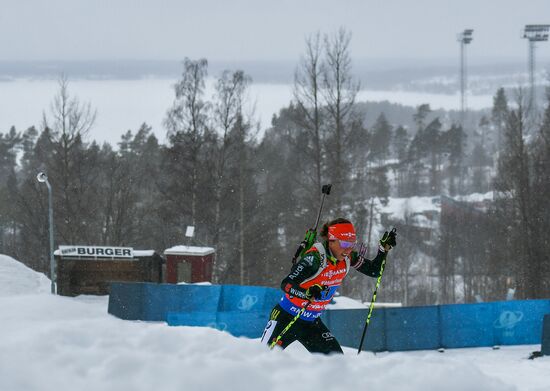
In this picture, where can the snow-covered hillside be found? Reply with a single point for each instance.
(58, 343)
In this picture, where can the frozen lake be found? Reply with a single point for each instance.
(126, 104)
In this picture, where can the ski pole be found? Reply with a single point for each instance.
(326, 191)
(311, 234)
(373, 300)
(289, 325)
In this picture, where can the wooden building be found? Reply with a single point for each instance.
(189, 264)
(89, 270)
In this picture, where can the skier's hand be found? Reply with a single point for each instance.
(361, 249)
(316, 292)
(388, 240)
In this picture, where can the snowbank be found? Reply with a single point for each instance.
(18, 279)
(58, 343)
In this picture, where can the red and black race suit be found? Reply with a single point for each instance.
(311, 270)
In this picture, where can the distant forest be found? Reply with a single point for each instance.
(253, 199)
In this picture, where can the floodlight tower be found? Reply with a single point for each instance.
(534, 33)
(464, 38)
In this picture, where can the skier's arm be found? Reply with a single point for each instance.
(301, 270)
(366, 266)
(372, 268)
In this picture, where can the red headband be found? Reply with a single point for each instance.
(342, 231)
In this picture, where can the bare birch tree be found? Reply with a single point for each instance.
(340, 91)
(308, 79)
(227, 110)
(70, 120)
(187, 122)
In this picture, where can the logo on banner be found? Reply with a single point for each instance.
(508, 321)
(247, 302)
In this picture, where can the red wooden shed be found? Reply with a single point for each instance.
(189, 264)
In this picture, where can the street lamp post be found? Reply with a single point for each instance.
(43, 178)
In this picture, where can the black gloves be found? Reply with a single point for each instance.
(315, 292)
(388, 240)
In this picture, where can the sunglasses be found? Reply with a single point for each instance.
(346, 245)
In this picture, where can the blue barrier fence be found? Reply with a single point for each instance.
(239, 310)
(545, 344)
(244, 311)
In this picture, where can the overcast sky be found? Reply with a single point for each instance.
(261, 30)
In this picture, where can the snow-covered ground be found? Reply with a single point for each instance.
(57, 343)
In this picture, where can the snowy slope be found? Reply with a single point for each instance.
(56, 343)
(18, 279)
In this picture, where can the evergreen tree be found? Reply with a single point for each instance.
(9, 146)
(421, 115)
(380, 140)
(455, 140)
(541, 211)
(425, 151)
(282, 224)
(479, 161)
(514, 178)
(400, 143)
(31, 205)
(499, 115)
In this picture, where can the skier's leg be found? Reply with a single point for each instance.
(319, 339)
(278, 320)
